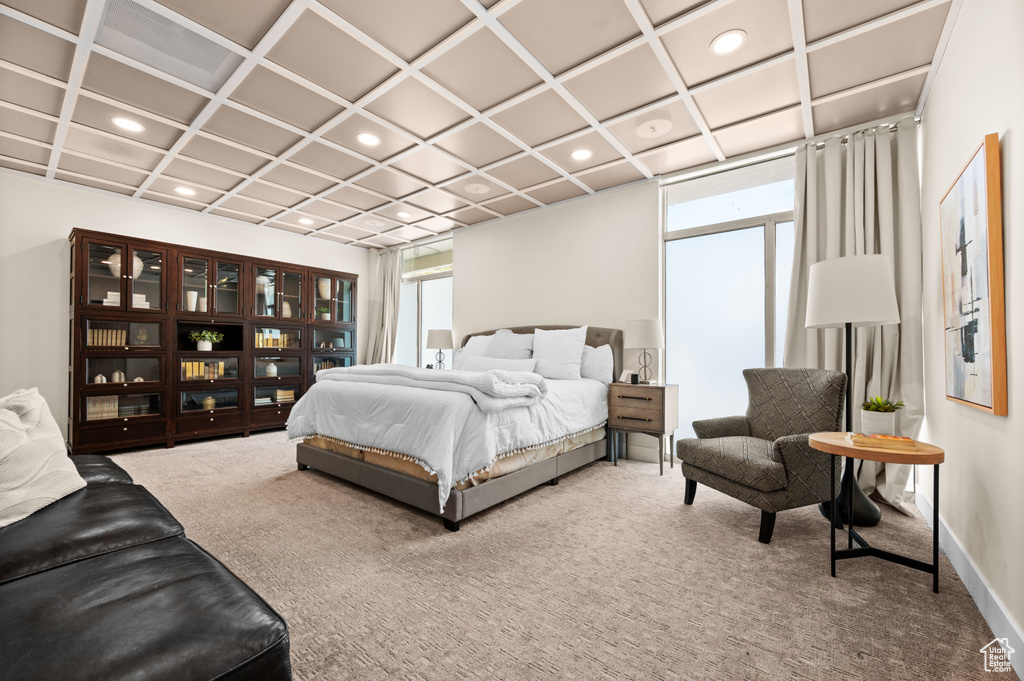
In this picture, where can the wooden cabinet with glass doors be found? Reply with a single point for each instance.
(139, 377)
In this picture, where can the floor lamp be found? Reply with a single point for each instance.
(846, 292)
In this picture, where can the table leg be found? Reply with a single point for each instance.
(661, 455)
(833, 515)
(935, 530)
(849, 497)
(614, 437)
(671, 449)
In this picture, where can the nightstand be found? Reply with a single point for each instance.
(649, 409)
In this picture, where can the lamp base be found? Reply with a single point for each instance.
(865, 512)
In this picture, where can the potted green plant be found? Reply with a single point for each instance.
(205, 339)
(324, 312)
(878, 415)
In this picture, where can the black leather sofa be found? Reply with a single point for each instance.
(104, 585)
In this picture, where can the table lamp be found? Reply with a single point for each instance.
(646, 334)
(441, 340)
(846, 292)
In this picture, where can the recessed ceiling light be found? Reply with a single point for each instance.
(404, 214)
(730, 41)
(374, 223)
(305, 221)
(185, 191)
(127, 124)
(581, 154)
(655, 127)
(368, 139)
(477, 188)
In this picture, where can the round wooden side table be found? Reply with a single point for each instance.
(925, 454)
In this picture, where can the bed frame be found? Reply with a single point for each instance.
(463, 503)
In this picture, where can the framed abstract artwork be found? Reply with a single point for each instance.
(972, 283)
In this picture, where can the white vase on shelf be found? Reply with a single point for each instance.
(271, 369)
(191, 298)
(323, 287)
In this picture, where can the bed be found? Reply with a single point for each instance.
(405, 478)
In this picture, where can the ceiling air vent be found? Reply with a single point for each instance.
(145, 36)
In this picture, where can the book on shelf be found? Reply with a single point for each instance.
(262, 400)
(285, 395)
(101, 407)
(875, 441)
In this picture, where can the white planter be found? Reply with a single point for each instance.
(326, 317)
(204, 346)
(879, 422)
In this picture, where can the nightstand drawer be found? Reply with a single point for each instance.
(645, 419)
(636, 396)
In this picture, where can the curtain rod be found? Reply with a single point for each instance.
(780, 151)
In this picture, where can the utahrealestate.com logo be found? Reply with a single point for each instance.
(997, 655)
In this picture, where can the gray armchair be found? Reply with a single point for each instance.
(763, 458)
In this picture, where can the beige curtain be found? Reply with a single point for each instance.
(387, 277)
(861, 195)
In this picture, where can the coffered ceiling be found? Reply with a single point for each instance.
(254, 109)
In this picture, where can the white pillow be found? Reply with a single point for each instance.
(559, 353)
(511, 345)
(35, 470)
(598, 363)
(476, 346)
(488, 363)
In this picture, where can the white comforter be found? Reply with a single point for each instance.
(436, 422)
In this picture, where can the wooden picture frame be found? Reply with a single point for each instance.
(970, 216)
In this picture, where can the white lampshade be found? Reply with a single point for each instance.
(644, 333)
(440, 339)
(857, 289)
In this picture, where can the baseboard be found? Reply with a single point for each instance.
(992, 609)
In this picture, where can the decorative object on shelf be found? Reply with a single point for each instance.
(286, 309)
(209, 402)
(264, 293)
(971, 220)
(138, 379)
(324, 312)
(118, 377)
(323, 287)
(441, 340)
(191, 298)
(845, 292)
(646, 334)
(141, 335)
(99, 378)
(114, 264)
(879, 416)
(202, 304)
(271, 369)
(204, 340)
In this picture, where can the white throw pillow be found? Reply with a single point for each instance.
(489, 363)
(559, 353)
(474, 347)
(598, 363)
(35, 470)
(511, 345)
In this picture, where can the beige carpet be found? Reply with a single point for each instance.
(604, 576)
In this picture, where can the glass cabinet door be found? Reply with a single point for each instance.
(105, 275)
(266, 292)
(323, 298)
(344, 300)
(227, 290)
(146, 280)
(195, 275)
(291, 295)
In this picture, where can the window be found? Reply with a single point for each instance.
(425, 303)
(728, 260)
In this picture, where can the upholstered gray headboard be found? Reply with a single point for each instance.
(596, 336)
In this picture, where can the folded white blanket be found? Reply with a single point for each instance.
(491, 390)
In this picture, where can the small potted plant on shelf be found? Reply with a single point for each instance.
(324, 312)
(205, 339)
(878, 415)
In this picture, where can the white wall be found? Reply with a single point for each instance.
(978, 91)
(594, 260)
(35, 219)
